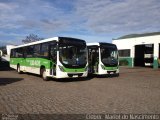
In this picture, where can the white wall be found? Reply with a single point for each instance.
(130, 43)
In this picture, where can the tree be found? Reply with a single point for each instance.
(31, 38)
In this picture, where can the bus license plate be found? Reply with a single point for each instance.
(75, 75)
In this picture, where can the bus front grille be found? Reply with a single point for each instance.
(73, 74)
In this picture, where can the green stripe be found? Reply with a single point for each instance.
(74, 70)
(37, 62)
(31, 62)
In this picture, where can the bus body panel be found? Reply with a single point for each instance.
(54, 68)
(107, 70)
(99, 68)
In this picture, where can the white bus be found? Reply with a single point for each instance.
(103, 58)
(58, 57)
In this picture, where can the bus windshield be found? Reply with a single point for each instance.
(73, 55)
(109, 55)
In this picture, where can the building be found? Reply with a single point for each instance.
(139, 49)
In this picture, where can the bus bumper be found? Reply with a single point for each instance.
(69, 75)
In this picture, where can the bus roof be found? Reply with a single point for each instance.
(45, 40)
(99, 43)
(37, 42)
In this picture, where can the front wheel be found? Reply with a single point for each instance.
(44, 74)
(117, 75)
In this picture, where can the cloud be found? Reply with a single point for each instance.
(78, 17)
(6, 6)
(119, 15)
(9, 16)
(32, 14)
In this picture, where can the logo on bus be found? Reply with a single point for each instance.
(34, 62)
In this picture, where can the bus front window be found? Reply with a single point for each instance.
(109, 55)
(72, 56)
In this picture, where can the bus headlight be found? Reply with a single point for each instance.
(103, 67)
(61, 68)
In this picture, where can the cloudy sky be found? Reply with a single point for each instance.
(92, 20)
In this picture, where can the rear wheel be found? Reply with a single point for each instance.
(44, 74)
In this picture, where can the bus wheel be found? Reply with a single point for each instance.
(18, 69)
(44, 74)
(117, 75)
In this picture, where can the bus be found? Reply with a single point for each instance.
(103, 58)
(58, 57)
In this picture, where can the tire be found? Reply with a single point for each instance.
(19, 69)
(43, 74)
(117, 75)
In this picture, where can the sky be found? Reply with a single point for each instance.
(91, 20)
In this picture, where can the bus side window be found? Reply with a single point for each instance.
(37, 50)
(44, 50)
(13, 53)
(29, 51)
(17, 53)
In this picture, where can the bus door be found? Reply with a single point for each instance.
(53, 57)
(93, 59)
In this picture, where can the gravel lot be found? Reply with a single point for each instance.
(136, 90)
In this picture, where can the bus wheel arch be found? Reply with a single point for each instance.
(43, 73)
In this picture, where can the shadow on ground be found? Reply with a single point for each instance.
(71, 79)
(5, 81)
(63, 79)
(106, 76)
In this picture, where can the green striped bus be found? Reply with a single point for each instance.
(103, 58)
(58, 57)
